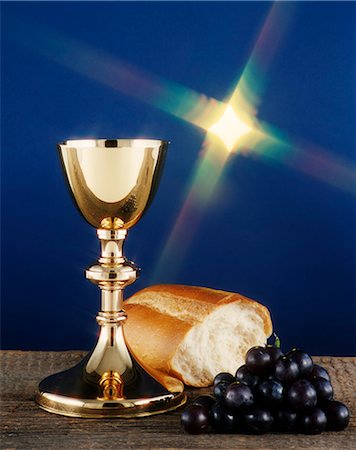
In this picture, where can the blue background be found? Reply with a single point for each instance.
(283, 237)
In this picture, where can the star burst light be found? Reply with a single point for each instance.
(230, 128)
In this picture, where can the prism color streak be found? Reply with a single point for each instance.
(237, 135)
(234, 123)
(185, 103)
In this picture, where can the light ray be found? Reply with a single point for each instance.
(232, 132)
(232, 126)
(263, 140)
(178, 100)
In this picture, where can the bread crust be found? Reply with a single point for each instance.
(204, 295)
(154, 337)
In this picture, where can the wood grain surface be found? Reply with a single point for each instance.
(25, 426)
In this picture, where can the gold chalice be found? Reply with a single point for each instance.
(112, 183)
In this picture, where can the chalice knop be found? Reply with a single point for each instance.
(112, 183)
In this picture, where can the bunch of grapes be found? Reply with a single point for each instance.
(271, 392)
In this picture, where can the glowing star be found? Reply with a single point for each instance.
(229, 128)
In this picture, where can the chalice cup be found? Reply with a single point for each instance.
(112, 183)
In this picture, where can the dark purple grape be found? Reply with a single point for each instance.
(222, 420)
(220, 389)
(286, 370)
(285, 420)
(224, 377)
(274, 352)
(337, 414)
(323, 388)
(246, 377)
(304, 361)
(313, 422)
(205, 400)
(257, 421)
(270, 393)
(195, 419)
(319, 371)
(301, 395)
(258, 361)
(238, 397)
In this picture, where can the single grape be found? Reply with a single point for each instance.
(286, 370)
(224, 377)
(323, 388)
(274, 352)
(238, 397)
(285, 420)
(270, 393)
(319, 371)
(205, 400)
(304, 361)
(313, 422)
(222, 420)
(258, 361)
(246, 377)
(195, 419)
(337, 414)
(257, 421)
(301, 395)
(220, 389)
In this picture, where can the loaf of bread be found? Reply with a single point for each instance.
(193, 333)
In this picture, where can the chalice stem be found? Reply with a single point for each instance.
(110, 359)
(111, 300)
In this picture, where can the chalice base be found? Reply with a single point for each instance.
(71, 393)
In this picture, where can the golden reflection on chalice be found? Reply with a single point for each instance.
(112, 183)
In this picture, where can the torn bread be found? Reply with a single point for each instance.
(194, 333)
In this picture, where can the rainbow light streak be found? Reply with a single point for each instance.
(190, 105)
(121, 76)
(231, 126)
(306, 158)
(236, 129)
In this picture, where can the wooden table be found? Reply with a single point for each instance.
(25, 426)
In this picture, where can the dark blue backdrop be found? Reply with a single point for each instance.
(285, 238)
